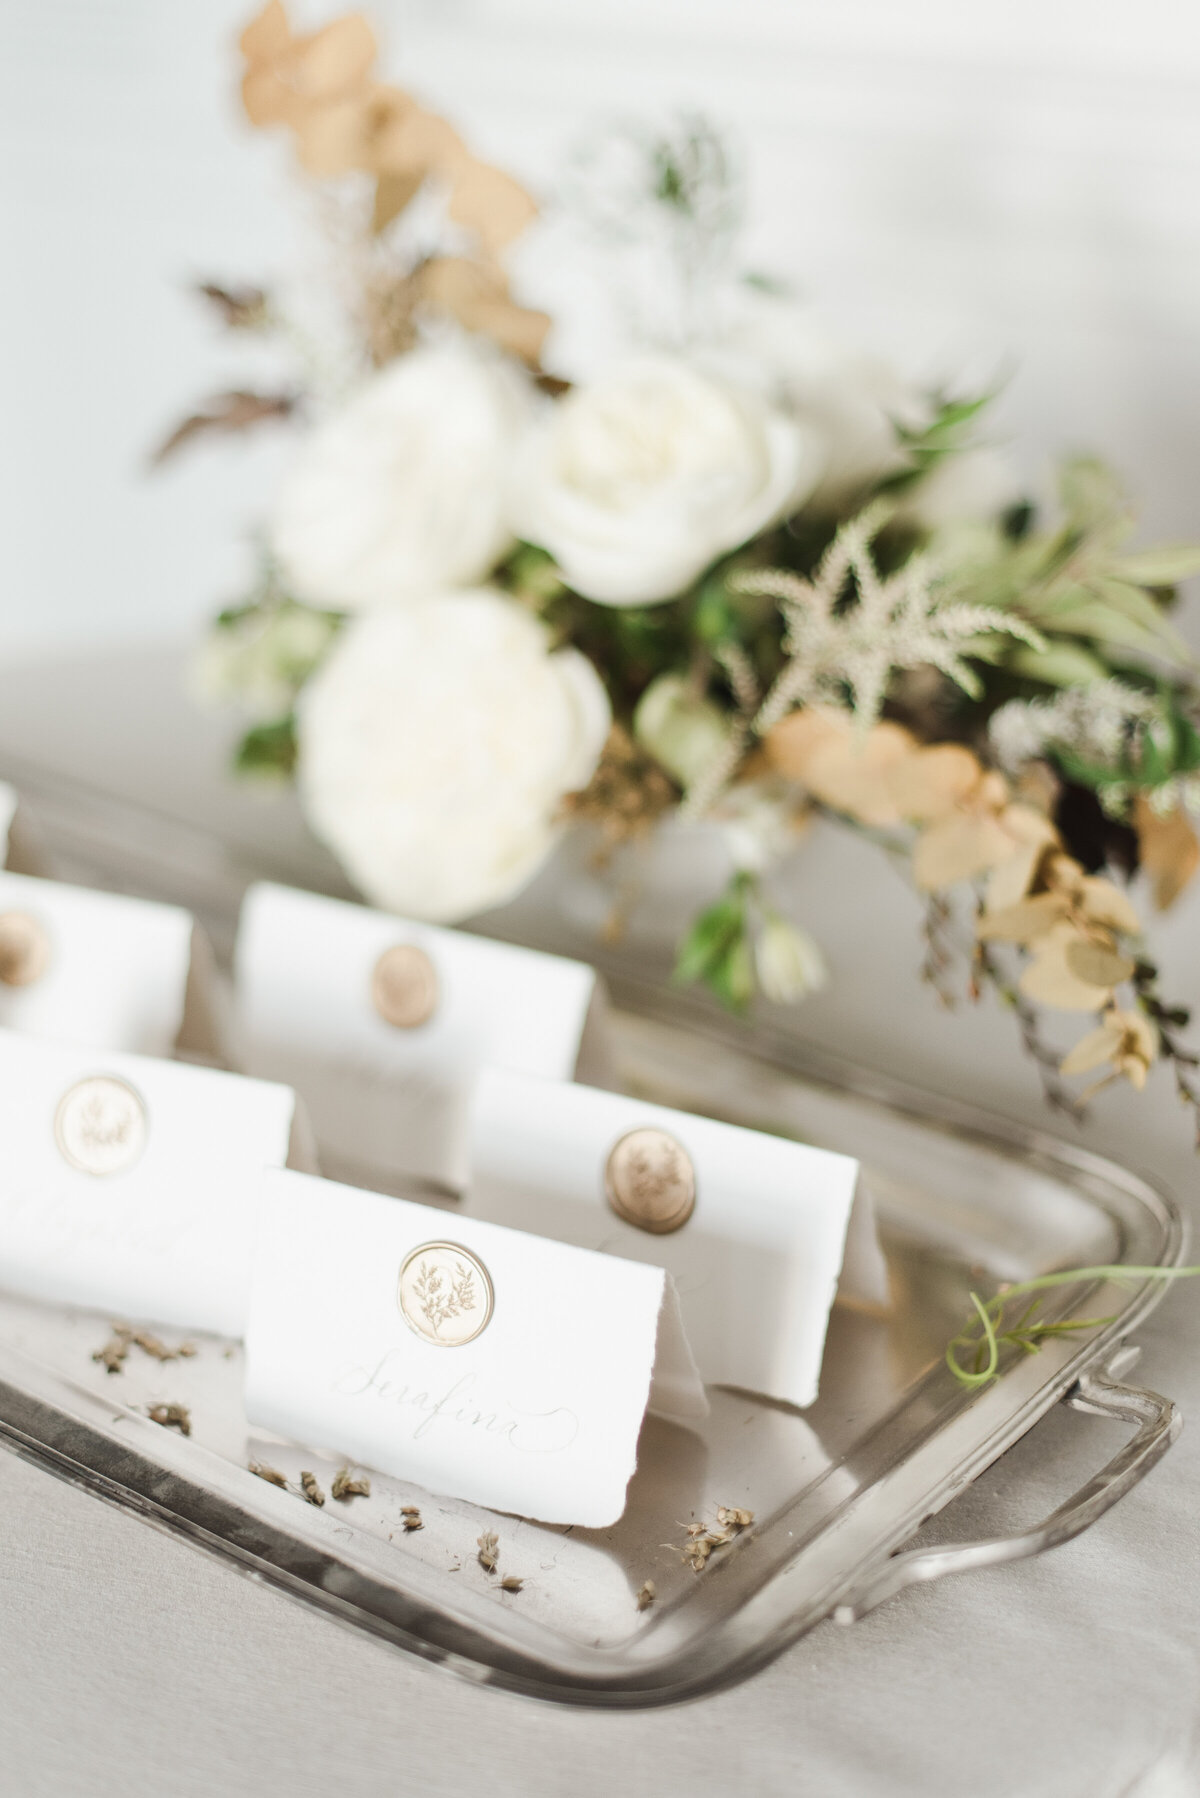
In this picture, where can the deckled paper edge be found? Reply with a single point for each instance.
(676, 1389)
(203, 1027)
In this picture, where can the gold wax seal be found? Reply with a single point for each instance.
(445, 1294)
(404, 988)
(24, 949)
(100, 1125)
(650, 1181)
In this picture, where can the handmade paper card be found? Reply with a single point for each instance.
(18, 838)
(479, 1362)
(756, 1230)
(102, 970)
(130, 1184)
(383, 1024)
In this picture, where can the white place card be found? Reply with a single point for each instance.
(19, 847)
(756, 1230)
(475, 1361)
(130, 1185)
(104, 971)
(382, 1025)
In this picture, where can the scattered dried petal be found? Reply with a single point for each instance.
(510, 1583)
(413, 1522)
(272, 1475)
(647, 1593)
(171, 1417)
(489, 1550)
(310, 1488)
(347, 1485)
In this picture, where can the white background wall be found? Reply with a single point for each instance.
(1012, 186)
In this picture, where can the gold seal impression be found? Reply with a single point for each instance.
(100, 1125)
(404, 987)
(24, 949)
(650, 1181)
(445, 1294)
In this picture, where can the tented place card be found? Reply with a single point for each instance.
(103, 971)
(476, 1361)
(383, 1024)
(755, 1229)
(130, 1184)
(18, 837)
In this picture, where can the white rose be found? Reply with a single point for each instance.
(436, 744)
(855, 401)
(639, 480)
(401, 492)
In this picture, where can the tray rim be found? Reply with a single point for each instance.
(48, 1434)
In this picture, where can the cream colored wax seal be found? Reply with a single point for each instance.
(100, 1125)
(24, 949)
(650, 1181)
(445, 1294)
(404, 988)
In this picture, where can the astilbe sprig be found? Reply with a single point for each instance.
(849, 628)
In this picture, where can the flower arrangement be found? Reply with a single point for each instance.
(739, 575)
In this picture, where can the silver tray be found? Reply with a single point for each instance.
(836, 1491)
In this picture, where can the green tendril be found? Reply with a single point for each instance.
(983, 1336)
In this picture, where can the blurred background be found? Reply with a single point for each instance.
(983, 191)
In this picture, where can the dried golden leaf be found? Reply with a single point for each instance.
(936, 780)
(1097, 964)
(267, 36)
(268, 100)
(1103, 903)
(1048, 980)
(1023, 922)
(491, 202)
(1168, 850)
(393, 192)
(333, 139)
(335, 59)
(476, 294)
(958, 848)
(822, 750)
(411, 138)
(1092, 1051)
(1012, 878)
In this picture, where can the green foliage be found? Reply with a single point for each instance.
(1151, 756)
(268, 750)
(716, 952)
(946, 435)
(989, 1332)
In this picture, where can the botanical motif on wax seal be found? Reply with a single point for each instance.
(650, 1181)
(445, 1294)
(404, 987)
(24, 949)
(100, 1125)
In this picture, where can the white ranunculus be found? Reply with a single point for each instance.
(637, 481)
(436, 744)
(401, 492)
(788, 962)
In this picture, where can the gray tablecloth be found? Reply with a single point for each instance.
(132, 1664)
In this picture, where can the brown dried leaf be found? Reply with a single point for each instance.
(934, 781)
(411, 138)
(1092, 1051)
(241, 308)
(1098, 964)
(228, 412)
(958, 848)
(267, 36)
(1168, 850)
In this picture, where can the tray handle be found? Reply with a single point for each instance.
(1098, 1392)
